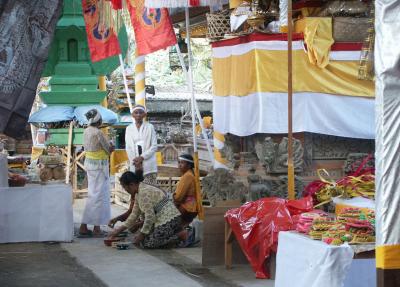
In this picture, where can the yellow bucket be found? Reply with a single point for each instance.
(159, 158)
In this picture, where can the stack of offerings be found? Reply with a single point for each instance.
(306, 220)
(360, 225)
(353, 226)
(320, 226)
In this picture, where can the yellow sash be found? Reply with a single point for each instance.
(99, 154)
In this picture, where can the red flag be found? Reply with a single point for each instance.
(102, 41)
(153, 27)
(116, 4)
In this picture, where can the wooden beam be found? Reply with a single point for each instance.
(291, 193)
(75, 176)
(69, 148)
(193, 12)
(228, 245)
(80, 156)
(80, 165)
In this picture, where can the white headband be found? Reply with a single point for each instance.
(139, 108)
(185, 159)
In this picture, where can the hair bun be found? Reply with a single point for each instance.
(91, 114)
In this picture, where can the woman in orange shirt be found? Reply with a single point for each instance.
(185, 193)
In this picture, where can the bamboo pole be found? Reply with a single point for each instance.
(103, 87)
(291, 193)
(69, 149)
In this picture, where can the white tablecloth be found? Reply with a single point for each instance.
(3, 170)
(303, 262)
(36, 213)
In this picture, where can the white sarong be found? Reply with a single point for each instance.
(98, 209)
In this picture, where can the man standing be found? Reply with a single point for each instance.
(141, 145)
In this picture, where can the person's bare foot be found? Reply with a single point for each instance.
(97, 231)
(83, 229)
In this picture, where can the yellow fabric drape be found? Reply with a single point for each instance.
(388, 256)
(219, 157)
(318, 37)
(219, 136)
(117, 158)
(266, 71)
(99, 154)
(235, 3)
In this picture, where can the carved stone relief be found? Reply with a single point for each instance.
(272, 187)
(274, 156)
(331, 147)
(221, 185)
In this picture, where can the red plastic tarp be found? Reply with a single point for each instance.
(256, 226)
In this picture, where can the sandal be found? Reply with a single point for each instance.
(87, 234)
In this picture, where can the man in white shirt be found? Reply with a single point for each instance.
(141, 145)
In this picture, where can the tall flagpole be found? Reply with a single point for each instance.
(121, 61)
(291, 193)
(193, 102)
(203, 131)
(140, 83)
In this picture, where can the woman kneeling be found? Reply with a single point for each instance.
(162, 225)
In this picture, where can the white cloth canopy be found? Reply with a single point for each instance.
(312, 112)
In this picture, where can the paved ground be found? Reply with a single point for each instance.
(87, 263)
(42, 265)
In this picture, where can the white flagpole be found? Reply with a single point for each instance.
(190, 77)
(121, 61)
(195, 153)
(181, 60)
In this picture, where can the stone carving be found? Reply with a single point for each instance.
(274, 156)
(272, 187)
(258, 188)
(331, 147)
(282, 156)
(231, 147)
(354, 161)
(266, 152)
(220, 185)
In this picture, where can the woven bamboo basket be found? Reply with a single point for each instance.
(218, 24)
(349, 29)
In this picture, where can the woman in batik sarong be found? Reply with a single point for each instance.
(162, 226)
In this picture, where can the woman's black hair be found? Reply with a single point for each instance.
(129, 177)
(91, 114)
(188, 157)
